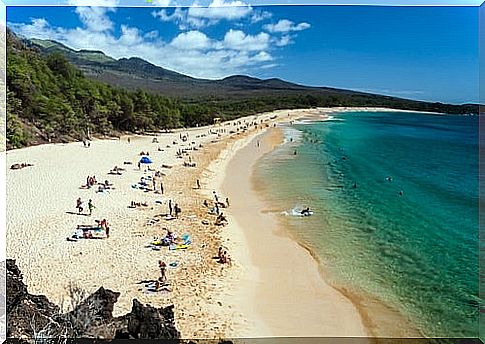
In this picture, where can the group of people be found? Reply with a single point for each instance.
(221, 220)
(91, 181)
(80, 206)
(223, 257)
(174, 210)
(217, 203)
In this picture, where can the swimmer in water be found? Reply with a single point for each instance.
(305, 212)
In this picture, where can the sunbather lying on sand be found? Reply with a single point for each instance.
(19, 166)
(138, 204)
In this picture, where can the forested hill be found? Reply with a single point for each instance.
(51, 100)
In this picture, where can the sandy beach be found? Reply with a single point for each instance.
(270, 277)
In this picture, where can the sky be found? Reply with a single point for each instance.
(426, 53)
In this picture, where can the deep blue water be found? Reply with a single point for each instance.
(416, 251)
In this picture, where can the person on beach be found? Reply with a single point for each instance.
(105, 226)
(216, 198)
(90, 206)
(163, 271)
(206, 204)
(170, 207)
(216, 207)
(139, 165)
(161, 187)
(79, 205)
(177, 210)
(154, 183)
(219, 253)
(225, 259)
(227, 201)
(129, 140)
(198, 184)
(221, 220)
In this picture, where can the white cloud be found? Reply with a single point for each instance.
(260, 16)
(284, 41)
(285, 25)
(263, 56)
(181, 18)
(219, 10)
(95, 18)
(152, 34)
(199, 17)
(191, 40)
(238, 40)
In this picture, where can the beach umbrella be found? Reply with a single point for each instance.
(146, 160)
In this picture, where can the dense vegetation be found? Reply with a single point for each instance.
(49, 99)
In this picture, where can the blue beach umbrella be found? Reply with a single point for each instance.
(145, 160)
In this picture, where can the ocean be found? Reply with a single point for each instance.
(395, 202)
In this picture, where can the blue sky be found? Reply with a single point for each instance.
(426, 53)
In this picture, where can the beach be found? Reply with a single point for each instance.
(272, 288)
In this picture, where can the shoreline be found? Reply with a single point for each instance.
(378, 319)
(317, 308)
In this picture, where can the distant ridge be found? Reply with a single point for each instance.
(136, 73)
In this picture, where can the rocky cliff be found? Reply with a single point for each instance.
(35, 317)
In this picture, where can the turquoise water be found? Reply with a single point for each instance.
(416, 252)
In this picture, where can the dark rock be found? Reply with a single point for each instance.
(147, 322)
(34, 315)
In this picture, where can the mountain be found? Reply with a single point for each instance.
(134, 73)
